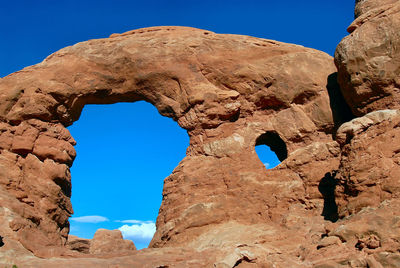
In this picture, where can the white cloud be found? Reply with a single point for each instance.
(138, 232)
(266, 165)
(90, 219)
(134, 221)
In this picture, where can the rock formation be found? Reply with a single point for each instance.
(110, 241)
(368, 59)
(78, 244)
(104, 242)
(332, 202)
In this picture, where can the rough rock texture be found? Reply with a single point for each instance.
(226, 90)
(364, 6)
(332, 202)
(368, 59)
(78, 244)
(147, 258)
(110, 241)
(370, 160)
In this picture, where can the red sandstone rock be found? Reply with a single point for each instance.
(368, 58)
(369, 172)
(78, 244)
(364, 6)
(110, 241)
(226, 99)
(332, 202)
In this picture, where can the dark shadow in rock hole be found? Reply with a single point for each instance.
(273, 141)
(341, 111)
(327, 187)
(1, 241)
(244, 260)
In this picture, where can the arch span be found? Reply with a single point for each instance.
(223, 89)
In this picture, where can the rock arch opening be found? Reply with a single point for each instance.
(271, 149)
(124, 153)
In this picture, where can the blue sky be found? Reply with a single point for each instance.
(126, 150)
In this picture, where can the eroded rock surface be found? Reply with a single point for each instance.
(78, 244)
(226, 90)
(368, 59)
(110, 241)
(370, 167)
(332, 202)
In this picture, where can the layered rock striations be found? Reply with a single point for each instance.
(332, 202)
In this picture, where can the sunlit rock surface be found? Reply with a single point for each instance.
(332, 202)
(368, 59)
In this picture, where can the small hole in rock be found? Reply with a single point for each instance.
(271, 149)
(267, 157)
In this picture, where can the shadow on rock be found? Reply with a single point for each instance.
(327, 187)
(341, 111)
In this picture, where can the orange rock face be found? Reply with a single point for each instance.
(226, 90)
(332, 202)
(368, 58)
(78, 244)
(110, 241)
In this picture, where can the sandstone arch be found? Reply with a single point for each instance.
(225, 90)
